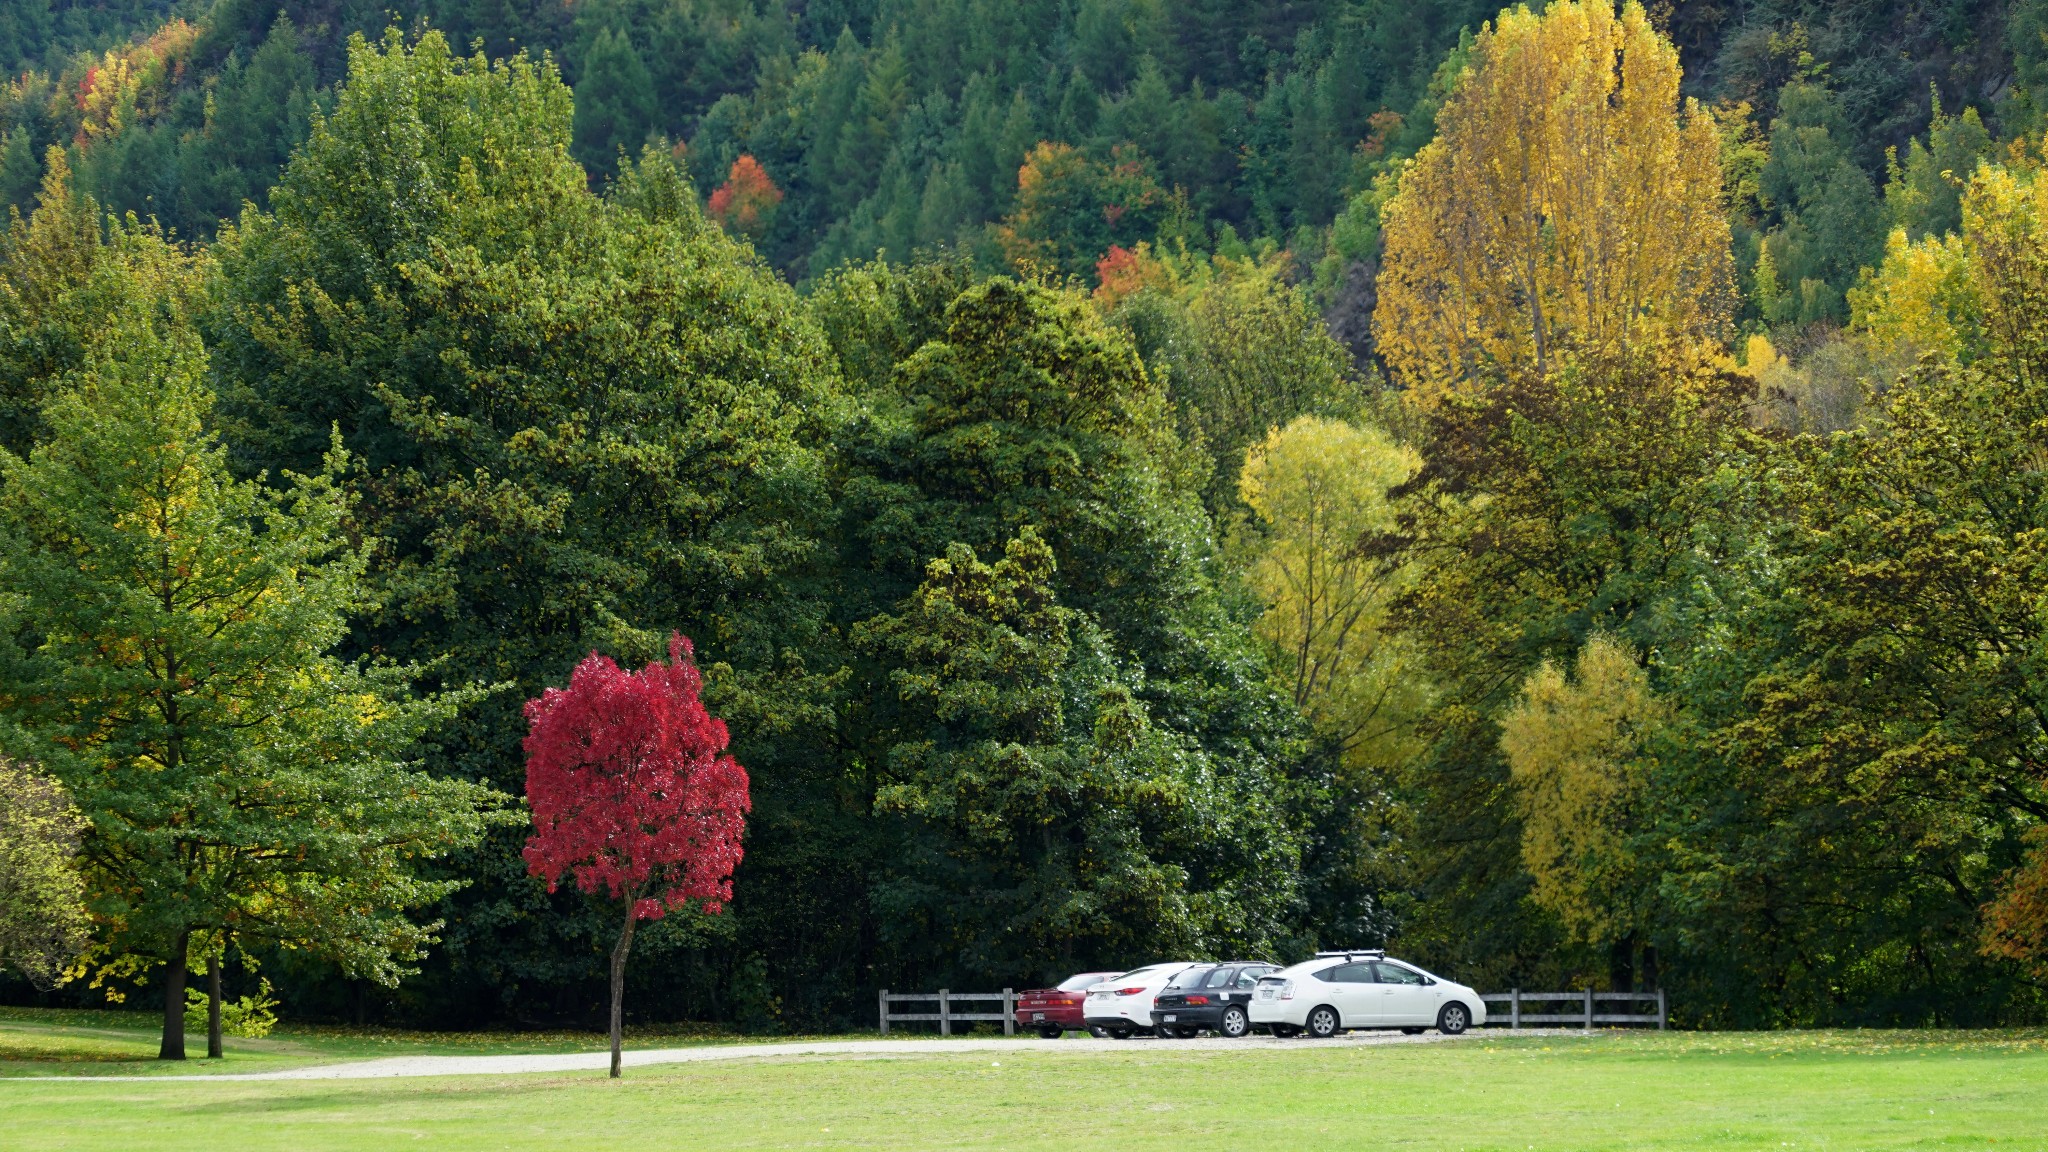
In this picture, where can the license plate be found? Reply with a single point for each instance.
(1265, 993)
(1038, 1015)
(1168, 1019)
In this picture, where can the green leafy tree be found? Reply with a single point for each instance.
(1241, 349)
(71, 281)
(1829, 222)
(167, 653)
(43, 922)
(1012, 406)
(1924, 195)
(580, 421)
(1007, 731)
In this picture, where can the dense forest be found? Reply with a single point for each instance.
(1555, 493)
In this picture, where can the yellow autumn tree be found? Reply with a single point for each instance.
(1576, 748)
(1958, 294)
(1570, 200)
(1318, 488)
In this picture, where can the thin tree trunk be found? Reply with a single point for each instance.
(1621, 955)
(619, 985)
(213, 1008)
(1651, 977)
(173, 1047)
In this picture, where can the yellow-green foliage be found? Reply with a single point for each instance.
(1318, 488)
(42, 895)
(1931, 294)
(1576, 747)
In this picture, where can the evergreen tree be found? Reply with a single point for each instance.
(615, 108)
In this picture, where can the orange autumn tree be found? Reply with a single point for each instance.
(746, 202)
(1570, 199)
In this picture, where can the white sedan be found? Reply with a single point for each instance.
(1341, 990)
(1123, 1005)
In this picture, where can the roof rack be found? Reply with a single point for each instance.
(1354, 954)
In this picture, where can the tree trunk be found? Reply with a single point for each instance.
(1621, 964)
(213, 1008)
(619, 985)
(173, 1047)
(1650, 973)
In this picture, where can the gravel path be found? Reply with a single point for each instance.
(401, 1066)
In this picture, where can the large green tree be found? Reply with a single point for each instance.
(581, 422)
(996, 408)
(166, 651)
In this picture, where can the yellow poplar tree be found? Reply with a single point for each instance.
(1571, 200)
(1316, 489)
(1575, 746)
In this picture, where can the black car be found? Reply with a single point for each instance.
(1212, 996)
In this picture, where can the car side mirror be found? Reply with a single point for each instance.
(1428, 980)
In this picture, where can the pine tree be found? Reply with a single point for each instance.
(615, 108)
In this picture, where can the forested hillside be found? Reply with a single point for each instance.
(1556, 492)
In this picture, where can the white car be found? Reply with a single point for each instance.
(1123, 1005)
(1340, 990)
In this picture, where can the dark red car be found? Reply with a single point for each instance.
(1051, 1011)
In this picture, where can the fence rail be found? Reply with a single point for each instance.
(1586, 1003)
(947, 1016)
(1588, 1012)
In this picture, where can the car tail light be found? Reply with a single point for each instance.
(1198, 1000)
(1070, 999)
(1287, 989)
(1128, 991)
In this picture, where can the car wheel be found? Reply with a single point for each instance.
(1098, 1031)
(1286, 1031)
(1235, 1024)
(1411, 1031)
(1453, 1020)
(1055, 1033)
(1323, 1022)
(1120, 1033)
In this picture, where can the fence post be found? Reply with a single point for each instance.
(883, 998)
(945, 1013)
(1589, 1009)
(1660, 1010)
(1515, 1009)
(1009, 1012)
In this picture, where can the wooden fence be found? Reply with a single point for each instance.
(947, 1015)
(1584, 1008)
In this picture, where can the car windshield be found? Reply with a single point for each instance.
(1192, 978)
(1084, 980)
(1136, 973)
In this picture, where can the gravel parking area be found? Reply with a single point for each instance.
(404, 1066)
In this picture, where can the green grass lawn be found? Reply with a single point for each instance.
(42, 1042)
(1838, 1090)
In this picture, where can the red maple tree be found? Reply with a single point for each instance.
(747, 199)
(633, 794)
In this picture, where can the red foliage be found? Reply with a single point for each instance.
(631, 787)
(747, 199)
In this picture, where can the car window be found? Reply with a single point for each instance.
(1249, 977)
(1395, 974)
(1219, 978)
(1360, 973)
(1192, 978)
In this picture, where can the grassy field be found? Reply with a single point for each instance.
(1861, 1090)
